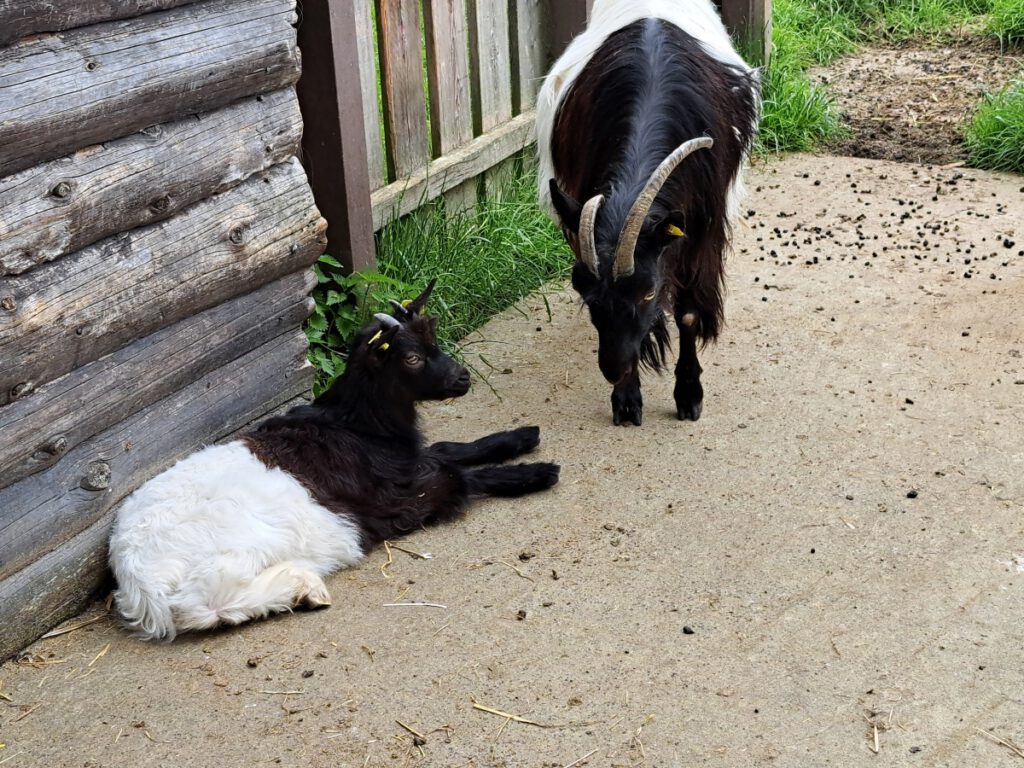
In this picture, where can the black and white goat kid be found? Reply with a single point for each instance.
(648, 83)
(238, 531)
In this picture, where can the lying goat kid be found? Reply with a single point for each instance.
(242, 530)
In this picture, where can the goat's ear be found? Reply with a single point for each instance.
(669, 229)
(381, 341)
(416, 306)
(567, 208)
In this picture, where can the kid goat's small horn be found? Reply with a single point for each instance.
(388, 320)
(588, 248)
(624, 265)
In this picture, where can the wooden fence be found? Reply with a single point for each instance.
(156, 234)
(408, 100)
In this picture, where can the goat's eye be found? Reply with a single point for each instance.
(412, 359)
(650, 296)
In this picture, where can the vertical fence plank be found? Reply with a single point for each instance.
(750, 23)
(365, 32)
(334, 138)
(405, 107)
(492, 78)
(531, 44)
(451, 108)
(451, 114)
(569, 18)
(492, 66)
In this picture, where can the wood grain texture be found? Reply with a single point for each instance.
(69, 312)
(491, 63)
(750, 24)
(451, 170)
(97, 83)
(41, 428)
(65, 527)
(334, 139)
(64, 205)
(532, 38)
(451, 111)
(405, 110)
(366, 31)
(19, 18)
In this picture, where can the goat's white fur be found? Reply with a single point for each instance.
(695, 17)
(220, 538)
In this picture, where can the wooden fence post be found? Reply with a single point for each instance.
(569, 18)
(334, 138)
(750, 23)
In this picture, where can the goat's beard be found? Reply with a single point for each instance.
(654, 347)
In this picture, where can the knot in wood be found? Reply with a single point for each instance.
(153, 131)
(55, 446)
(97, 476)
(161, 204)
(62, 190)
(8, 303)
(237, 235)
(18, 391)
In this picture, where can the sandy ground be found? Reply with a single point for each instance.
(829, 564)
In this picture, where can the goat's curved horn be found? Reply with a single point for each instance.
(388, 320)
(624, 265)
(588, 248)
(400, 310)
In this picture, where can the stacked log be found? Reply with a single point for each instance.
(156, 234)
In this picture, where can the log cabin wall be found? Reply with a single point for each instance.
(156, 233)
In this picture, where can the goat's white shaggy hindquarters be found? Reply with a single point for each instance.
(222, 538)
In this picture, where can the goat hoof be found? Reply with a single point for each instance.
(527, 438)
(689, 400)
(314, 598)
(627, 409)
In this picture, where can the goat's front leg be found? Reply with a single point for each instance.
(501, 446)
(510, 481)
(689, 394)
(627, 402)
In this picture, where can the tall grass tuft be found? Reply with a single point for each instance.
(1006, 21)
(484, 261)
(995, 136)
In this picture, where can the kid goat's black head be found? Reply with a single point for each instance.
(395, 359)
(618, 272)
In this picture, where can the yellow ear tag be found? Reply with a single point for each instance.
(374, 337)
(384, 346)
(673, 230)
(406, 303)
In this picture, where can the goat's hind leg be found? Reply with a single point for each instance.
(233, 599)
(501, 446)
(511, 481)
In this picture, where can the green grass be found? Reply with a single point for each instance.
(1006, 21)
(484, 261)
(995, 136)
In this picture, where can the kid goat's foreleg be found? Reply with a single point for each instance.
(493, 449)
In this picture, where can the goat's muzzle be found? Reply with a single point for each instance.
(459, 385)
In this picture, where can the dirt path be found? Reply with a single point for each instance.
(911, 102)
(836, 548)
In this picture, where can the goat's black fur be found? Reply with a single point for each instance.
(649, 88)
(359, 451)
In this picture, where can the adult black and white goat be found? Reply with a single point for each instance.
(648, 83)
(241, 530)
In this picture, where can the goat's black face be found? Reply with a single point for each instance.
(404, 350)
(624, 312)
